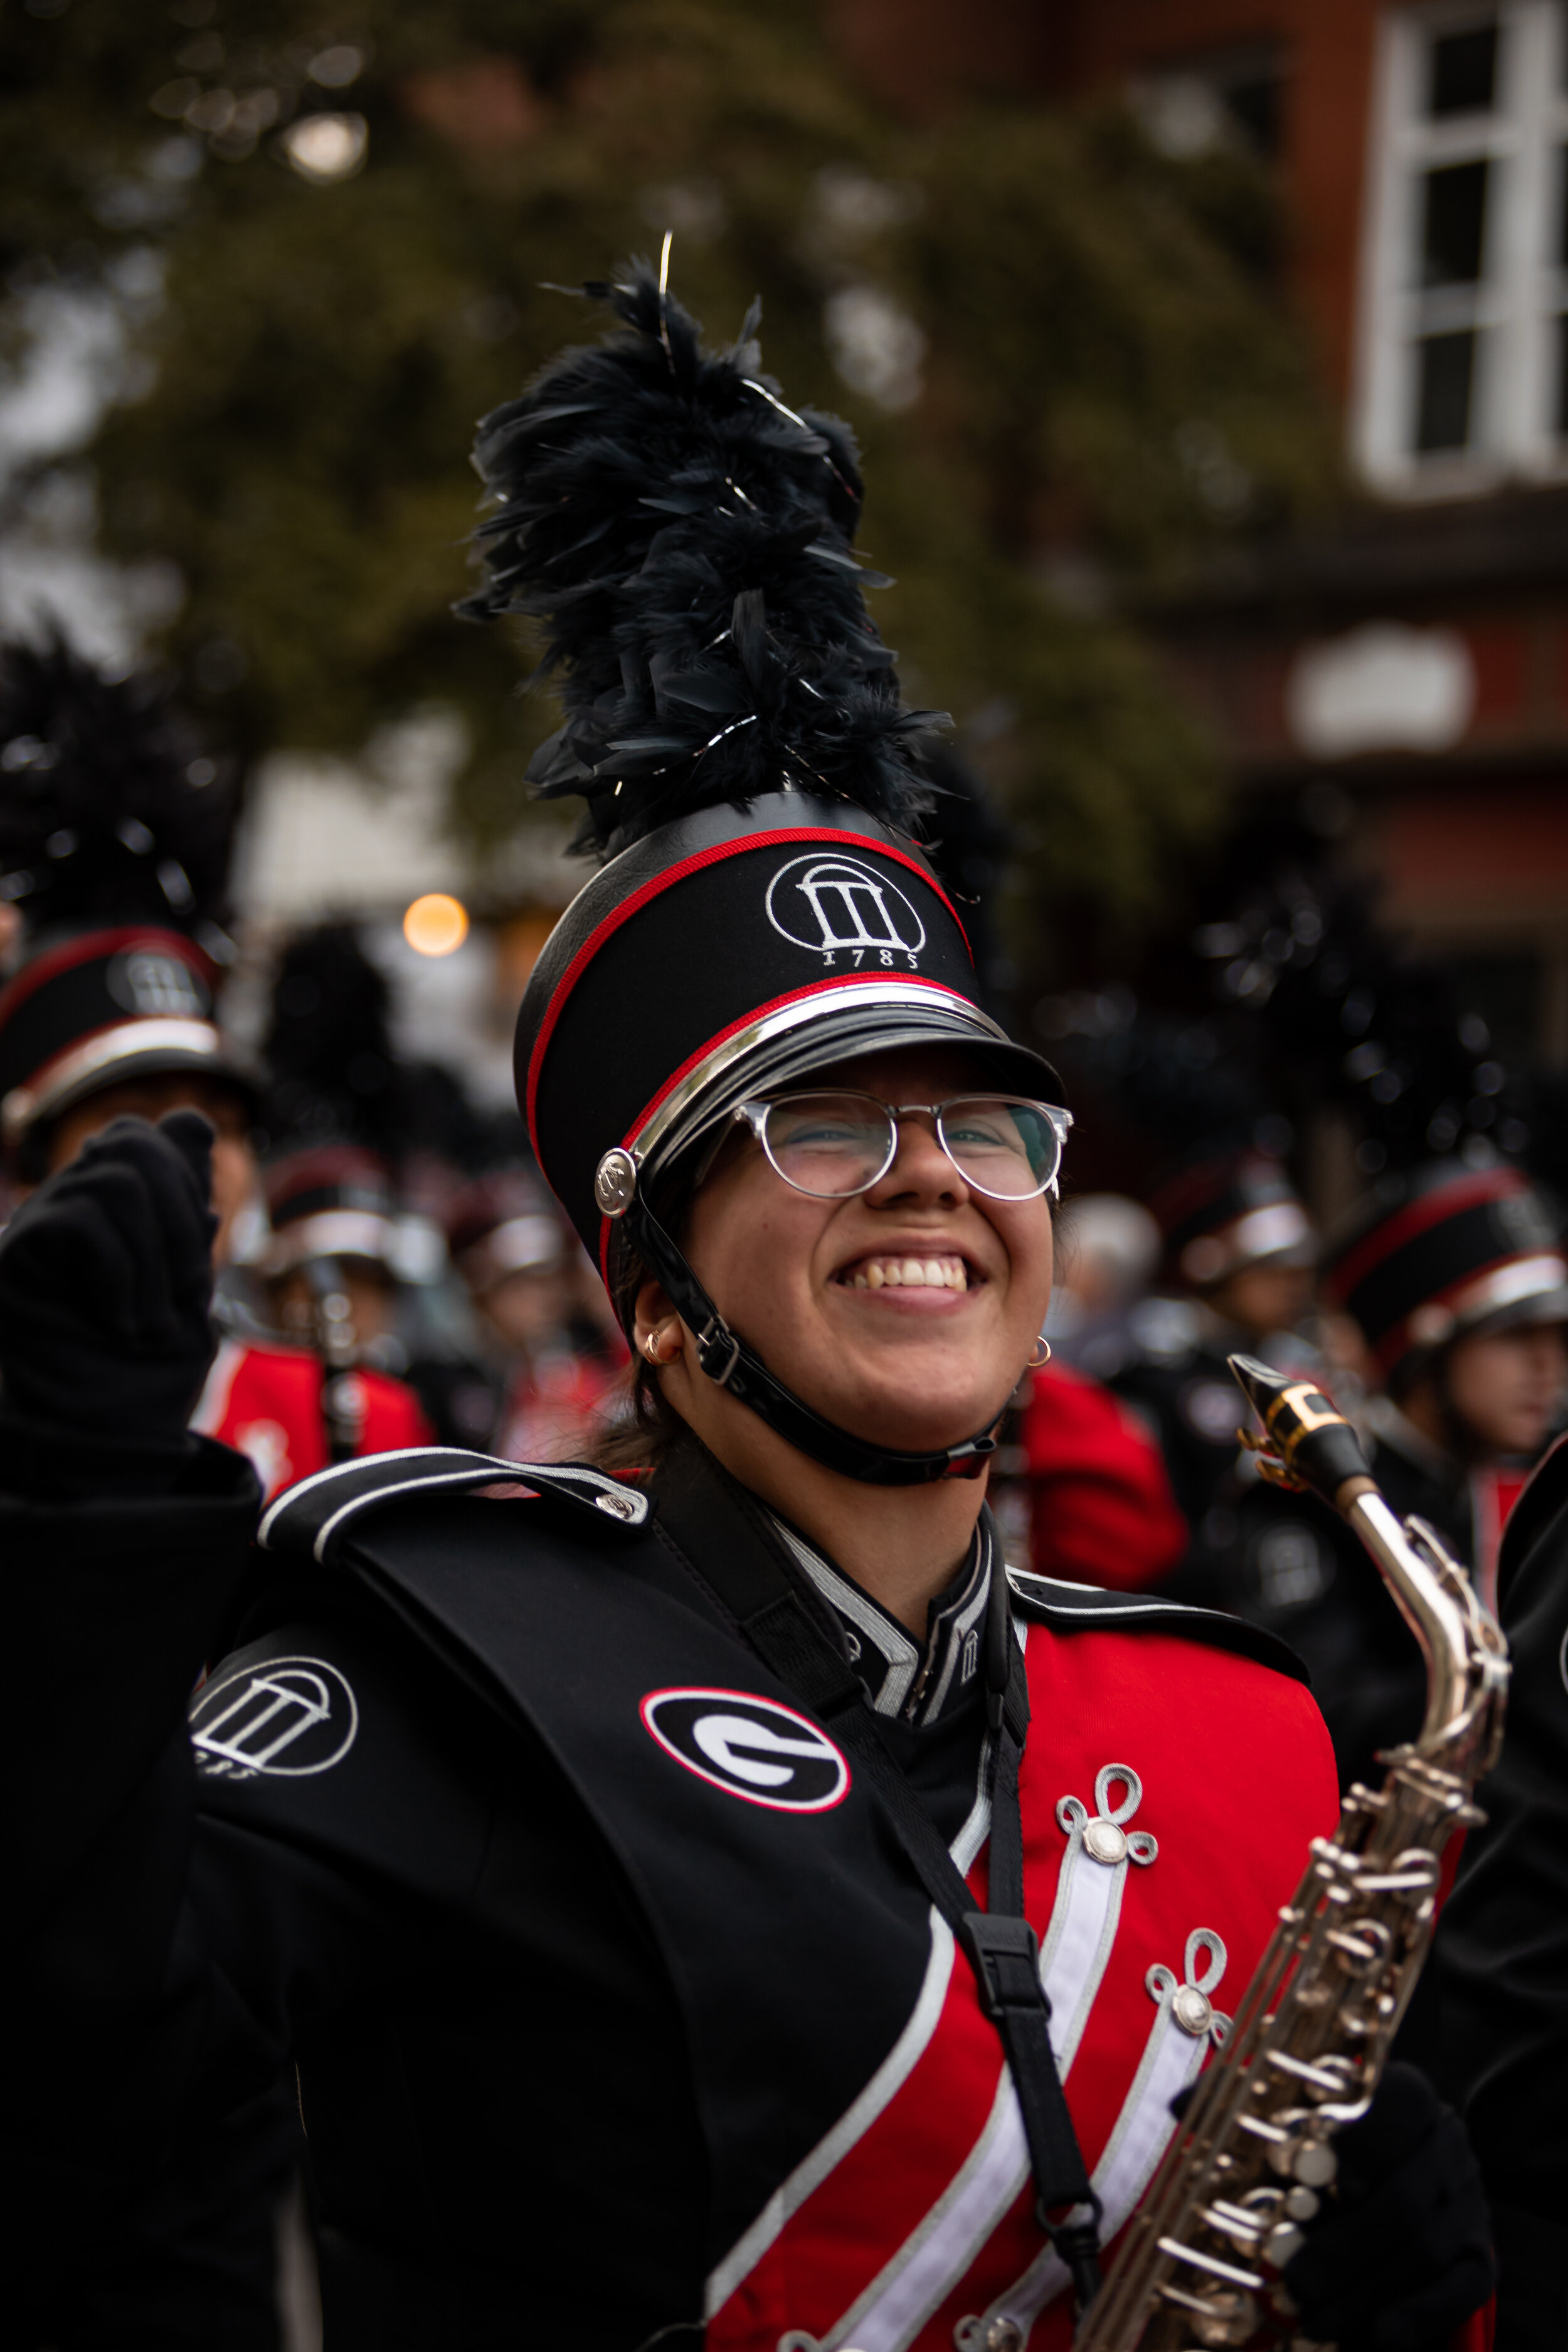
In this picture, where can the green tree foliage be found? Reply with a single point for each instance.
(1062, 351)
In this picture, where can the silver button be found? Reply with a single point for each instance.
(616, 1181)
(619, 1506)
(1193, 2010)
(1105, 1842)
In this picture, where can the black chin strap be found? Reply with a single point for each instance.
(731, 1365)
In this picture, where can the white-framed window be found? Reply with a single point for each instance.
(1463, 342)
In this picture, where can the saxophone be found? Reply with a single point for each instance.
(1252, 2157)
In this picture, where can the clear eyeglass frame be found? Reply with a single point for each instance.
(756, 1115)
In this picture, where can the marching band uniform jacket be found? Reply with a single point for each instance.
(617, 2011)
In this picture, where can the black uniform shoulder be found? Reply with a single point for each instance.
(1087, 1608)
(332, 1729)
(316, 1516)
(1542, 1502)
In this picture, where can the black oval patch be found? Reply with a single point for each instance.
(751, 1748)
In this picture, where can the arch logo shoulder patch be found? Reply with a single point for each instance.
(283, 1718)
(751, 1748)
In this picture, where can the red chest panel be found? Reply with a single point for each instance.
(1169, 1795)
(265, 1401)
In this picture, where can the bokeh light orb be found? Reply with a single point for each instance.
(436, 924)
(327, 147)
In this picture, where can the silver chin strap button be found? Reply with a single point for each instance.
(616, 1181)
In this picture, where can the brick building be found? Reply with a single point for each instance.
(1405, 679)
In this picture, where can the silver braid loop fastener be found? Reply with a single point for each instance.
(1104, 1837)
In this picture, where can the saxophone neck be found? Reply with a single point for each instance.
(1465, 1652)
(1307, 1442)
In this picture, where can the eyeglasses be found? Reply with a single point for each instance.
(835, 1144)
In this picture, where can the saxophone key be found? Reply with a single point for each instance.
(1284, 2242)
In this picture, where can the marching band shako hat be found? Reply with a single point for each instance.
(334, 1202)
(1443, 1251)
(502, 1224)
(734, 725)
(1227, 1213)
(106, 1005)
(115, 844)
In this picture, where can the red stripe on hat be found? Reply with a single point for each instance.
(758, 1012)
(673, 874)
(96, 946)
(1418, 1217)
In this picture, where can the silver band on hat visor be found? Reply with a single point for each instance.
(75, 1071)
(330, 1233)
(616, 1179)
(1544, 1276)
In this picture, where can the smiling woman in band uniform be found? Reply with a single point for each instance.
(656, 1869)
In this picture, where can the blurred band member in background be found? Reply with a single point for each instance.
(549, 1379)
(1455, 1277)
(1238, 1253)
(1109, 1250)
(114, 847)
(1101, 1509)
(317, 1394)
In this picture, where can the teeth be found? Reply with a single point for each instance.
(911, 1273)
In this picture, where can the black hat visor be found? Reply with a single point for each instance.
(796, 1045)
(151, 1047)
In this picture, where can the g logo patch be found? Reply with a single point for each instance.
(834, 905)
(285, 1719)
(751, 1748)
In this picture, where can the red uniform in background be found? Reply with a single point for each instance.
(1101, 1505)
(265, 1400)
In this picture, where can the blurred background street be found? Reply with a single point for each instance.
(1210, 363)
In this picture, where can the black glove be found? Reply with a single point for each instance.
(105, 1287)
(1403, 2251)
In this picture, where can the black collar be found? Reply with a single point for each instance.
(911, 1681)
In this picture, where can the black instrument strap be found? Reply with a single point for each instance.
(724, 1537)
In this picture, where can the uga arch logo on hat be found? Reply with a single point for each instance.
(751, 1748)
(833, 905)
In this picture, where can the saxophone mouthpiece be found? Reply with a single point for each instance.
(1307, 1441)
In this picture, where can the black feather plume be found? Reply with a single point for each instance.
(684, 537)
(334, 1073)
(328, 1046)
(108, 812)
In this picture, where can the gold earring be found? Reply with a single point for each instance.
(1039, 1361)
(650, 1347)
